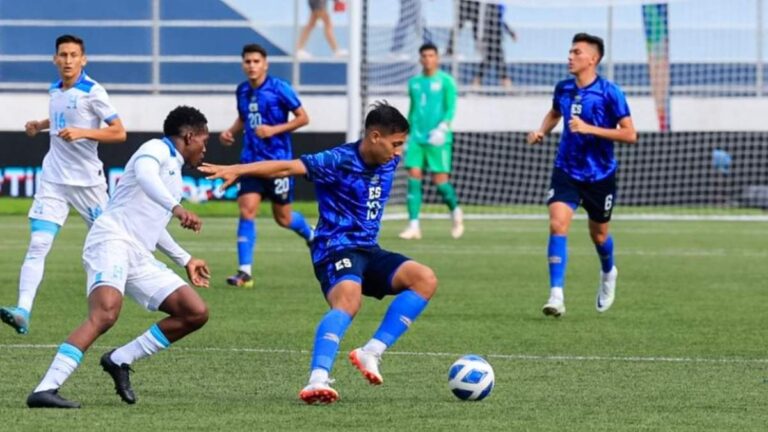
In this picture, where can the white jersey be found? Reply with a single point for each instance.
(131, 214)
(85, 105)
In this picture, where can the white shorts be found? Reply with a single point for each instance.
(132, 271)
(52, 202)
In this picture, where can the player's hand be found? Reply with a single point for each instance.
(437, 136)
(227, 138)
(188, 219)
(198, 272)
(535, 137)
(32, 128)
(226, 172)
(577, 125)
(71, 134)
(266, 131)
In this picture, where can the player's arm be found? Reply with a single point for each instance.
(227, 138)
(437, 136)
(625, 132)
(33, 127)
(197, 270)
(148, 177)
(547, 124)
(300, 118)
(263, 169)
(114, 133)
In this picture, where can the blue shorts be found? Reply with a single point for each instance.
(597, 197)
(373, 268)
(278, 190)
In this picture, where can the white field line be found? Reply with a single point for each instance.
(512, 357)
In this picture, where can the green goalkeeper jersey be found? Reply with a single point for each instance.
(433, 101)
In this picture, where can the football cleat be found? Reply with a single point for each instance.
(319, 393)
(49, 399)
(606, 291)
(554, 307)
(121, 376)
(411, 234)
(17, 318)
(457, 230)
(368, 364)
(241, 279)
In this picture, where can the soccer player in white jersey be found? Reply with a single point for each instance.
(72, 173)
(118, 260)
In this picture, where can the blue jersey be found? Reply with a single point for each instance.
(269, 104)
(586, 157)
(350, 196)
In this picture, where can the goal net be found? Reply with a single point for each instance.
(692, 71)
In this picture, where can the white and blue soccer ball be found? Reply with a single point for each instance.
(471, 378)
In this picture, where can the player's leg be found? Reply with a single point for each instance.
(248, 202)
(599, 200)
(46, 216)
(281, 194)
(413, 284)
(414, 163)
(106, 278)
(438, 161)
(563, 201)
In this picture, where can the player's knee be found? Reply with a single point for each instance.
(426, 283)
(39, 245)
(197, 316)
(599, 238)
(283, 220)
(104, 319)
(558, 227)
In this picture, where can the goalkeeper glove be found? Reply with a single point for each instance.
(437, 135)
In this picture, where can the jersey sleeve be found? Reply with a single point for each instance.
(450, 99)
(618, 102)
(322, 167)
(288, 97)
(101, 105)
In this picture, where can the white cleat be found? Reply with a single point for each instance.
(555, 307)
(303, 54)
(606, 292)
(368, 364)
(411, 234)
(457, 230)
(341, 53)
(319, 393)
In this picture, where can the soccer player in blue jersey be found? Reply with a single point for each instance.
(585, 166)
(353, 182)
(263, 105)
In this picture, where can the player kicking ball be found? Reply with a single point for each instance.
(585, 166)
(118, 260)
(353, 182)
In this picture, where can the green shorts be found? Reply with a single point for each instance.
(435, 159)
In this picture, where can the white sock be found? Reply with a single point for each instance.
(556, 293)
(33, 268)
(413, 224)
(457, 213)
(375, 346)
(149, 343)
(64, 363)
(318, 376)
(245, 268)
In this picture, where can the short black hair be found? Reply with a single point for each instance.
(428, 46)
(386, 118)
(183, 116)
(253, 48)
(595, 41)
(68, 38)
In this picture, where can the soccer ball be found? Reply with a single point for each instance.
(471, 378)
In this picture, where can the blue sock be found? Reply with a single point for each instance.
(300, 226)
(246, 241)
(605, 252)
(558, 259)
(403, 310)
(329, 333)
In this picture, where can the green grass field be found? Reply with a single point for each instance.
(683, 349)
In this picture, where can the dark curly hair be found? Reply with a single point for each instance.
(386, 118)
(182, 116)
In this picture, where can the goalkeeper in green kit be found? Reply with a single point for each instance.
(430, 142)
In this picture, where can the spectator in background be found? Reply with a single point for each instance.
(410, 17)
(492, 45)
(319, 11)
(469, 10)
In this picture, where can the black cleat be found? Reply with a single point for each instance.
(49, 399)
(121, 376)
